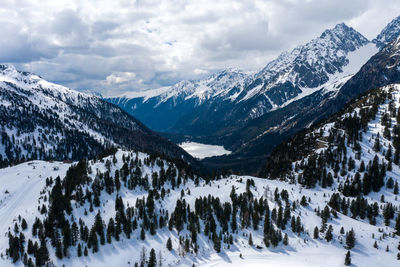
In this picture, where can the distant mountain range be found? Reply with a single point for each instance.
(233, 97)
(250, 114)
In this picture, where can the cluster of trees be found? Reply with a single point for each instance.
(78, 189)
(333, 162)
(360, 208)
(221, 222)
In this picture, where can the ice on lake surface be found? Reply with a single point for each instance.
(202, 151)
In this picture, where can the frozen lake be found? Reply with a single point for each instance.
(202, 151)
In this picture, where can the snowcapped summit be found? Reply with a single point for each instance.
(9, 72)
(216, 85)
(38, 86)
(390, 32)
(309, 65)
(342, 33)
(308, 68)
(43, 120)
(234, 97)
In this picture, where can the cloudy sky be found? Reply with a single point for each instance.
(117, 46)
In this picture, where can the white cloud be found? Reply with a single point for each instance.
(114, 46)
(120, 77)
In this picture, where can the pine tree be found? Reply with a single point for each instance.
(350, 239)
(94, 241)
(66, 237)
(30, 248)
(110, 230)
(397, 225)
(169, 244)
(303, 201)
(25, 260)
(329, 235)
(362, 166)
(43, 254)
(298, 225)
(286, 240)
(217, 242)
(142, 234)
(266, 221)
(152, 258)
(85, 252)
(251, 240)
(377, 145)
(347, 260)
(24, 225)
(396, 188)
(30, 263)
(79, 250)
(316, 232)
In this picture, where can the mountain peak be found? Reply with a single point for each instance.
(6, 69)
(325, 54)
(343, 33)
(389, 33)
(340, 27)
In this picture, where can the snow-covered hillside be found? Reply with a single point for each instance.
(135, 187)
(42, 120)
(20, 190)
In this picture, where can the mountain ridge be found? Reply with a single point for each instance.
(253, 95)
(50, 121)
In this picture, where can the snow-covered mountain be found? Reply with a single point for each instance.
(163, 108)
(390, 32)
(252, 142)
(225, 84)
(310, 66)
(42, 120)
(329, 192)
(231, 98)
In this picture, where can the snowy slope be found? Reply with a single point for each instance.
(356, 60)
(389, 33)
(302, 250)
(42, 120)
(20, 190)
